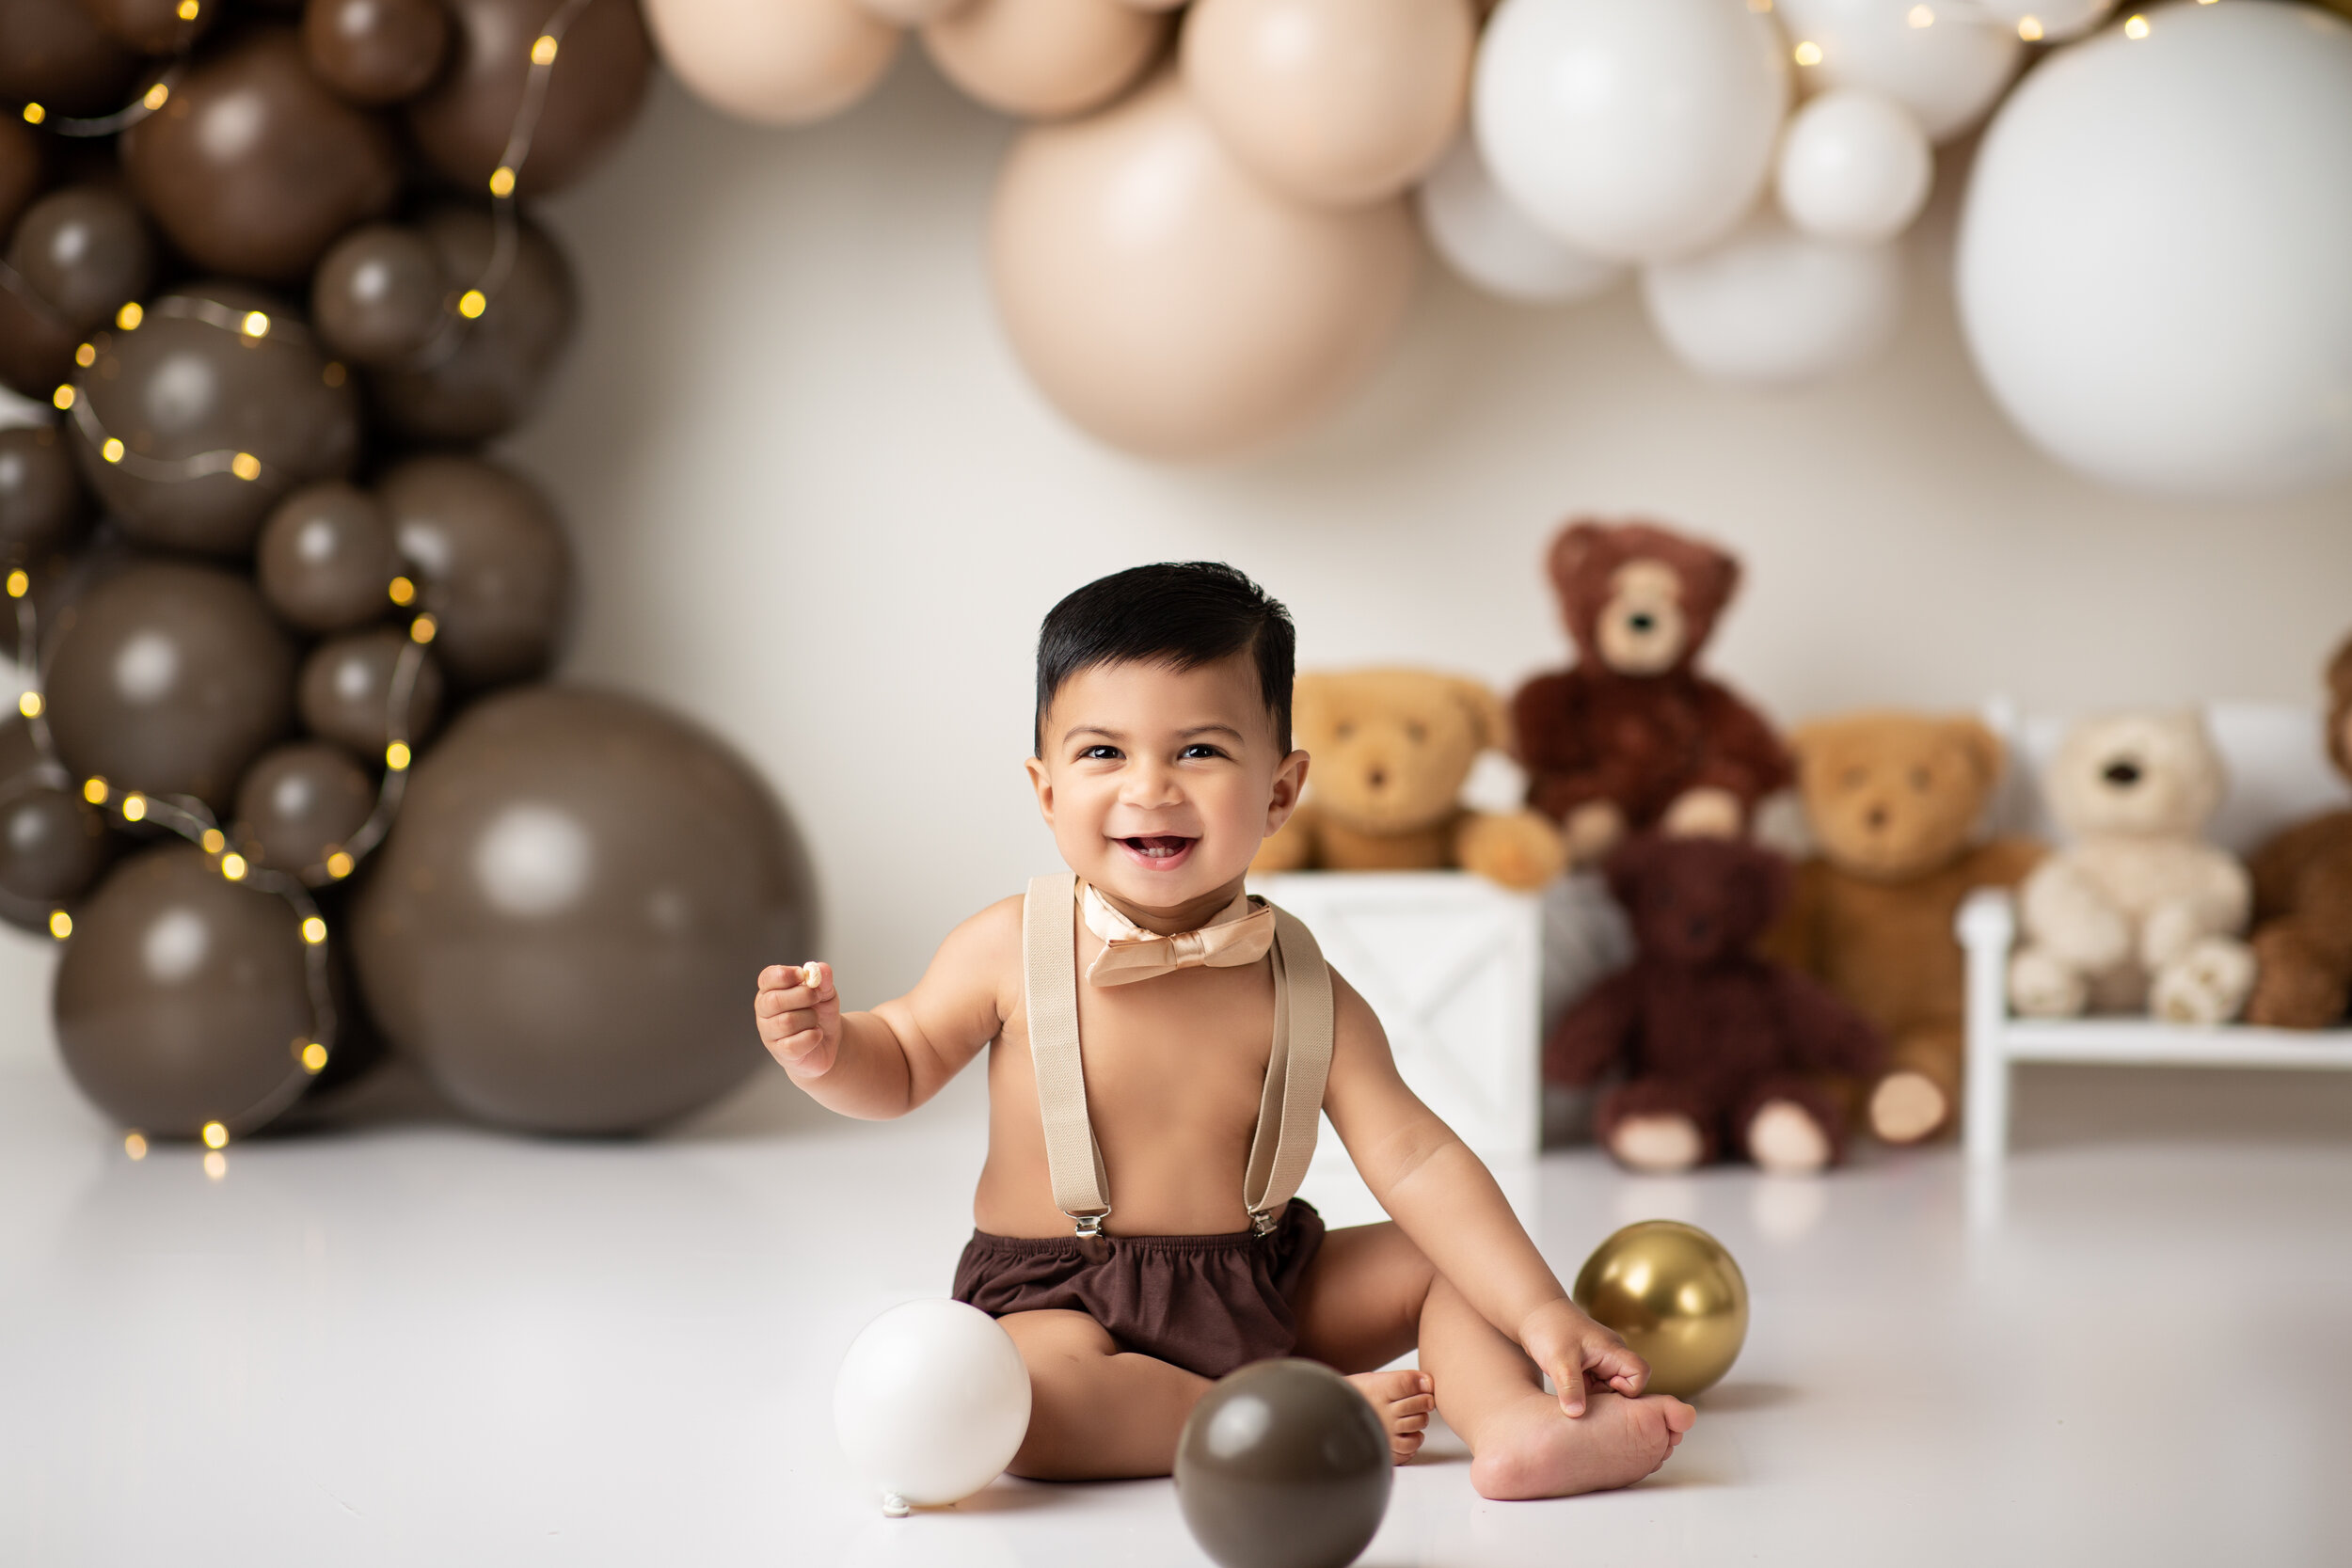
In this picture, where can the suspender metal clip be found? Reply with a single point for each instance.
(1261, 1222)
(1090, 1226)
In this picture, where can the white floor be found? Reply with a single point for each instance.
(409, 1341)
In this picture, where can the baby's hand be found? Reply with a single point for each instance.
(1571, 1349)
(799, 1017)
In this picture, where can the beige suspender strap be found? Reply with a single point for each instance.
(1049, 978)
(1291, 1105)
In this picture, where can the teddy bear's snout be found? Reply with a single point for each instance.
(1875, 818)
(2122, 773)
(1376, 778)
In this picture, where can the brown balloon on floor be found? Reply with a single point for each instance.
(221, 404)
(154, 27)
(490, 562)
(53, 843)
(85, 251)
(1283, 1464)
(171, 679)
(253, 166)
(183, 998)
(375, 52)
(52, 53)
(345, 692)
(484, 373)
(43, 507)
(299, 803)
(326, 559)
(574, 905)
(463, 124)
(380, 296)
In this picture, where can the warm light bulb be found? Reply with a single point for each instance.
(313, 929)
(19, 583)
(2030, 28)
(134, 807)
(472, 303)
(421, 628)
(2135, 28)
(214, 1135)
(256, 324)
(60, 925)
(233, 866)
(188, 9)
(156, 96)
(396, 755)
(214, 841)
(401, 590)
(63, 397)
(1920, 16)
(313, 1057)
(245, 466)
(35, 114)
(85, 356)
(112, 450)
(1809, 54)
(94, 791)
(501, 181)
(135, 1146)
(129, 317)
(543, 50)
(29, 704)
(338, 865)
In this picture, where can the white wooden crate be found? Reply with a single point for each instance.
(1452, 965)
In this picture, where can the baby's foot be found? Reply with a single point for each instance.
(1403, 1400)
(1530, 1449)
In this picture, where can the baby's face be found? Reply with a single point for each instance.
(1160, 783)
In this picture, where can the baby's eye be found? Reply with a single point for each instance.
(1099, 754)
(1197, 750)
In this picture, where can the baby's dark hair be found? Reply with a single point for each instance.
(1178, 613)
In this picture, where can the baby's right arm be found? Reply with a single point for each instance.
(885, 1063)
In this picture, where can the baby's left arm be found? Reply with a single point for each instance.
(1447, 1202)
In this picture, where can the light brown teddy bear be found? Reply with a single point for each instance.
(1893, 801)
(1391, 751)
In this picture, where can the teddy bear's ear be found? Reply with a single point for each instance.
(1573, 548)
(1490, 719)
(1312, 698)
(1808, 743)
(1982, 748)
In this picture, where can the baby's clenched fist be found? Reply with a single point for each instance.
(799, 1012)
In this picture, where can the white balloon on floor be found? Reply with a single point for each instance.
(1943, 60)
(1774, 307)
(2048, 20)
(931, 1402)
(1491, 244)
(2154, 265)
(1636, 130)
(1854, 166)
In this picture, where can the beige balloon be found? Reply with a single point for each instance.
(1046, 58)
(1338, 101)
(1174, 305)
(775, 62)
(911, 13)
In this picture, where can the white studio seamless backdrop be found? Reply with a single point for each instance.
(819, 507)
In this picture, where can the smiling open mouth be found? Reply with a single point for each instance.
(1157, 846)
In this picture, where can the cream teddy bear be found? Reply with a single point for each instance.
(2139, 911)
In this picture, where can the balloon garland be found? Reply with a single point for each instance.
(193, 575)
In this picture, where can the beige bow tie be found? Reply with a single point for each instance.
(1239, 935)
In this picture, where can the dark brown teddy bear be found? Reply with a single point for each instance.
(2303, 897)
(1632, 737)
(1720, 1047)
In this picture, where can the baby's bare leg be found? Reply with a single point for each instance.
(1360, 1309)
(1096, 1412)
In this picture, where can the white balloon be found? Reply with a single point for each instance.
(1854, 167)
(1635, 129)
(1943, 60)
(1773, 307)
(1493, 245)
(931, 1402)
(2048, 20)
(2154, 265)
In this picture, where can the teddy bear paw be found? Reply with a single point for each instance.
(2208, 984)
(1906, 1107)
(1785, 1140)
(1659, 1145)
(1519, 849)
(2042, 986)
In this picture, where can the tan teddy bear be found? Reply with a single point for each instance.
(2139, 911)
(1893, 802)
(1391, 751)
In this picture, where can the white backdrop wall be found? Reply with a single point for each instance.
(818, 506)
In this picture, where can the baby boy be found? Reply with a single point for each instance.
(1212, 1031)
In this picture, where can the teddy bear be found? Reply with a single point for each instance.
(1632, 737)
(2139, 911)
(1892, 802)
(1720, 1046)
(1392, 750)
(2303, 896)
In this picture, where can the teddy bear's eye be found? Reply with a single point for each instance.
(1415, 731)
(1854, 778)
(1921, 780)
(1344, 729)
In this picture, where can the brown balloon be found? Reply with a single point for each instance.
(154, 27)
(484, 374)
(22, 169)
(53, 843)
(578, 895)
(379, 294)
(85, 251)
(184, 998)
(170, 678)
(345, 694)
(192, 390)
(594, 85)
(490, 562)
(35, 343)
(300, 803)
(43, 504)
(375, 52)
(253, 166)
(54, 54)
(1283, 1464)
(326, 559)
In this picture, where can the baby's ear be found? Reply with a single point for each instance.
(1490, 719)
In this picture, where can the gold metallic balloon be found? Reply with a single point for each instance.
(1675, 1295)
